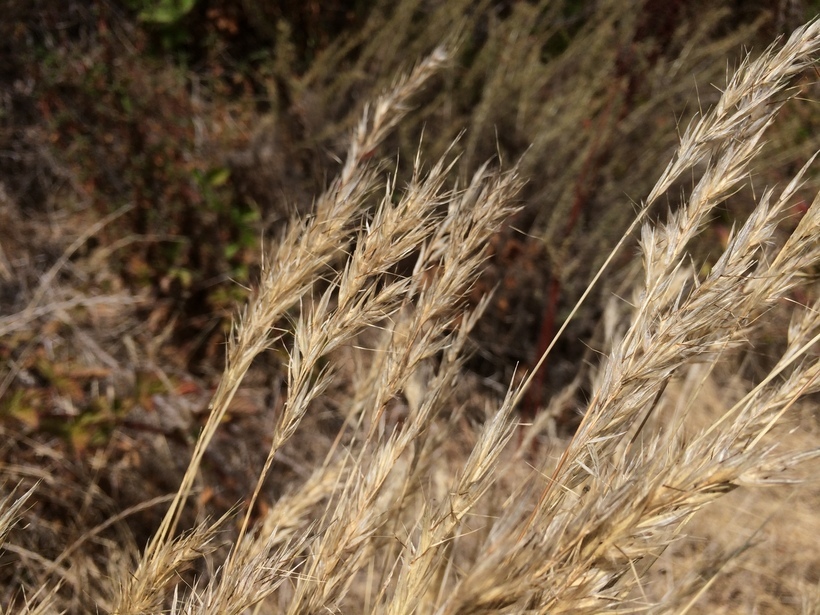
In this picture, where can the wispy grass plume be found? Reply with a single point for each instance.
(418, 497)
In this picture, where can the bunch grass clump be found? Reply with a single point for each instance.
(413, 504)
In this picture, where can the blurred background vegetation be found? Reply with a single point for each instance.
(202, 125)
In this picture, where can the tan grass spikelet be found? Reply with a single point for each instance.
(375, 527)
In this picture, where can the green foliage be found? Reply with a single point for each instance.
(61, 399)
(163, 12)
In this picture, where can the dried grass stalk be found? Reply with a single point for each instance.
(391, 521)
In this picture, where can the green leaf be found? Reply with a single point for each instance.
(218, 177)
(167, 12)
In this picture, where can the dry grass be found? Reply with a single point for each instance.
(422, 500)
